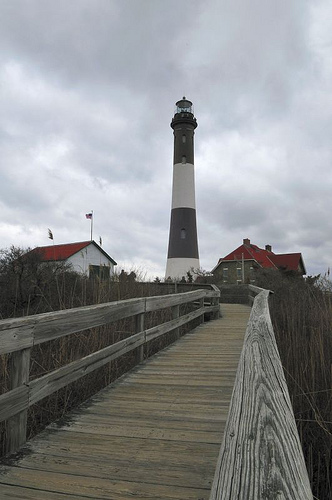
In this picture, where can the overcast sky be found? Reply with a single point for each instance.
(88, 89)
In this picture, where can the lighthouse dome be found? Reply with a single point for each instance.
(184, 106)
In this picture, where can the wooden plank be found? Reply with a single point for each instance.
(176, 315)
(19, 375)
(13, 402)
(101, 419)
(168, 473)
(261, 455)
(22, 493)
(173, 434)
(18, 333)
(164, 301)
(99, 447)
(46, 385)
(159, 330)
(255, 289)
(139, 327)
(99, 488)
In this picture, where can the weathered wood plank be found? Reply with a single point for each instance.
(13, 402)
(261, 455)
(99, 488)
(99, 447)
(256, 289)
(46, 385)
(167, 472)
(164, 301)
(174, 434)
(33, 494)
(19, 333)
(19, 376)
(159, 330)
(16, 334)
(175, 315)
(139, 327)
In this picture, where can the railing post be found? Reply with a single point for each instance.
(215, 303)
(19, 375)
(139, 327)
(201, 305)
(175, 315)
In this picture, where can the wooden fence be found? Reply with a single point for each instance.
(261, 455)
(19, 335)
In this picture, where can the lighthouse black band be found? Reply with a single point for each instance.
(183, 234)
(184, 144)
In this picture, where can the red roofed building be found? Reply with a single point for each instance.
(239, 266)
(85, 257)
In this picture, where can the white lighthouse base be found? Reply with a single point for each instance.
(178, 267)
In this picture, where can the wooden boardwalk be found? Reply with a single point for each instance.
(154, 434)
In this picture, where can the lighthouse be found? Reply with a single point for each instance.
(183, 246)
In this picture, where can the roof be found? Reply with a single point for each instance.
(63, 252)
(288, 261)
(249, 252)
(265, 258)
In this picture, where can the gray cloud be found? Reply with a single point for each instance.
(87, 95)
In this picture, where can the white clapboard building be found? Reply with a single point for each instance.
(84, 257)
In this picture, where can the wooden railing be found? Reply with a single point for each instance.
(261, 455)
(18, 336)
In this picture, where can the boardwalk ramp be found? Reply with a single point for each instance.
(154, 434)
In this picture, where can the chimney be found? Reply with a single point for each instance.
(268, 248)
(246, 241)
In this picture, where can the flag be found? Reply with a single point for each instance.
(100, 241)
(50, 234)
(88, 216)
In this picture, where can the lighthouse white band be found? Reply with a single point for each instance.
(183, 186)
(178, 267)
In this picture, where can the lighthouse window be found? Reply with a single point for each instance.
(184, 138)
(183, 234)
(184, 159)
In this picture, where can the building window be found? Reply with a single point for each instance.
(183, 234)
(184, 139)
(225, 272)
(239, 272)
(184, 159)
(100, 272)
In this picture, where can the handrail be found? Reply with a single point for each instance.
(19, 335)
(261, 455)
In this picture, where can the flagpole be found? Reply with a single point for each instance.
(91, 223)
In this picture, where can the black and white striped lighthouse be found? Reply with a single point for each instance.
(183, 246)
